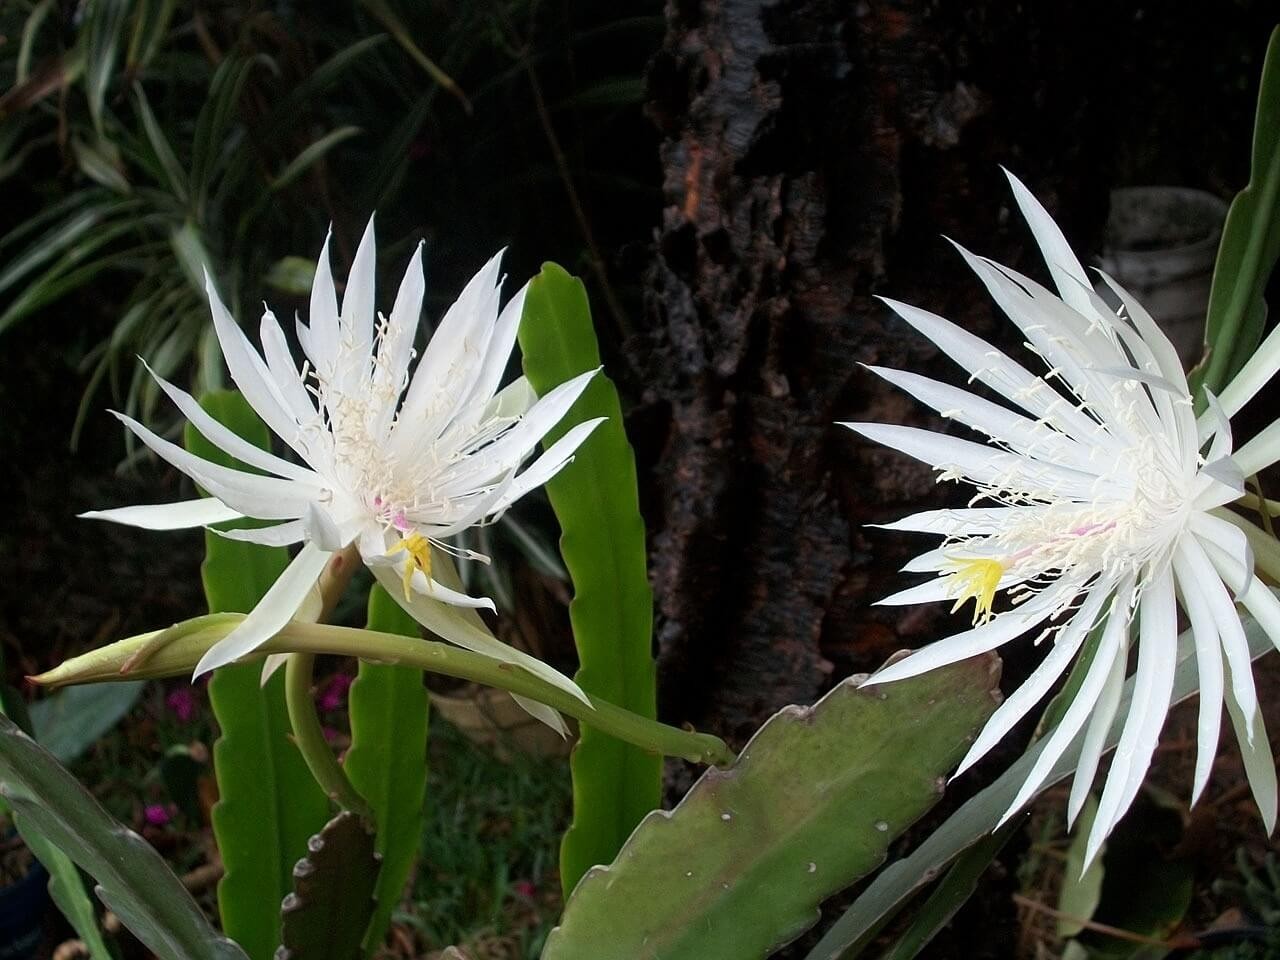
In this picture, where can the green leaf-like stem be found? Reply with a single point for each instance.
(603, 544)
(193, 637)
(740, 866)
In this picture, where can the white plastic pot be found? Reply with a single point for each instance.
(1160, 246)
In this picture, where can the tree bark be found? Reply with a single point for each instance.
(813, 153)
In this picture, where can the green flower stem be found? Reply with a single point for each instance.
(309, 736)
(187, 641)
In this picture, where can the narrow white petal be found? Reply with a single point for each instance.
(498, 353)
(435, 590)
(453, 349)
(959, 521)
(512, 447)
(228, 440)
(478, 507)
(1208, 644)
(980, 464)
(1259, 764)
(277, 535)
(273, 611)
(449, 624)
(1063, 266)
(1027, 437)
(1260, 452)
(1253, 376)
(395, 349)
(993, 368)
(543, 713)
(1110, 648)
(251, 374)
(358, 299)
(284, 371)
(553, 460)
(1152, 688)
(931, 591)
(168, 516)
(1181, 416)
(1095, 738)
(1066, 645)
(987, 636)
(1235, 646)
(1045, 333)
(1233, 551)
(265, 498)
(323, 316)
(1265, 608)
(1215, 426)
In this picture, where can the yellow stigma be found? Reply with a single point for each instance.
(419, 549)
(977, 578)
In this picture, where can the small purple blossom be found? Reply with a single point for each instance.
(334, 692)
(156, 814)
(181, 702)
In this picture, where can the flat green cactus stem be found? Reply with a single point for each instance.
(739, 867)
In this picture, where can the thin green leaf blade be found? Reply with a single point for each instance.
(67, 890)
(133, 880)
(951, 893)
(66, 886)
(311, 154)
(66, 723)
(1250, 242)
(603, 544)
(269, 805)
(387, 762)
(739, 867)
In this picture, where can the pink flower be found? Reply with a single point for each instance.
(156, 814)
(181, 701)
(334, 692)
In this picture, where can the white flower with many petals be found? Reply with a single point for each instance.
(1098, 505)
(395, 464)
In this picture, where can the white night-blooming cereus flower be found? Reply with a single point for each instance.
(1099, 503)
(394, 463)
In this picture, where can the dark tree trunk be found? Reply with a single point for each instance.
(813, 154)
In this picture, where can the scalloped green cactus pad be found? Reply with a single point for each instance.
(739, 867)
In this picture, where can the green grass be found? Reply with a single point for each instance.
(487, 880)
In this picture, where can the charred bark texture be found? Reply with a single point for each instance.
(813, 154)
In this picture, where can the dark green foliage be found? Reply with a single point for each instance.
(1250, 244)
(142, 141)
(133, 880)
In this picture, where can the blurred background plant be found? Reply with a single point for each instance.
(142, 141)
